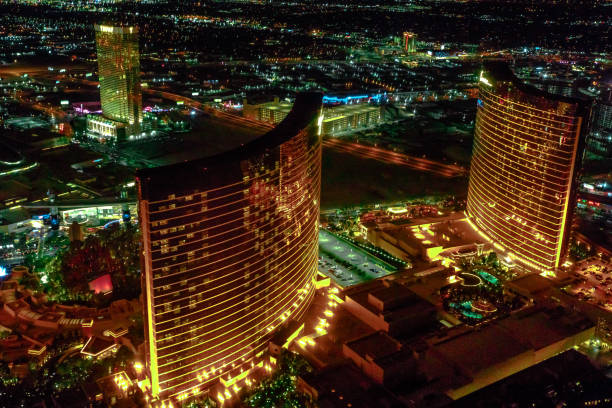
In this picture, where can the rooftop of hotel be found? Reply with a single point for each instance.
(398, 301)
(478, 350)
(338, 386)
(530, 330)
(532, 283)
(374, 346)
(226, 138)
(500, 71)
(211, 136)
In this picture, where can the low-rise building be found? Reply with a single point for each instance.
(336, 119)
(105, 129)
(389, 307)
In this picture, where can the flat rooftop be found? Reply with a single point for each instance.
(339, 386)
(375, 345)
(476, 351)
(210, 136)
(532, 284)
(218, 143)
(543, 328)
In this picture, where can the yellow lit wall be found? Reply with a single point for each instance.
(230, 253)
(119, 73)
(526, 156)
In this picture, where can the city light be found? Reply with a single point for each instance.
(292, 204)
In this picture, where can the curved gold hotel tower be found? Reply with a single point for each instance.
(528, 146)
(230, 252)
(119, 73)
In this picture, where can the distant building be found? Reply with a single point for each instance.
(410, 42)
(75, 232)
(119, 73)
(230, 247)
(600, 135)
(528, 146)
(336, 119)
(564, 87)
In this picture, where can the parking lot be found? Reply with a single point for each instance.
(347, 264)
(341, 275)
(595, 284)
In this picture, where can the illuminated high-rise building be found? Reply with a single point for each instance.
(528, 146)
(230, 244)
(119, 73)
(410, 42)
(599, 141)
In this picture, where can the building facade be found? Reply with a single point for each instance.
(410, 42)
(230, 253)
(600, 135)
(119, 74)
(526, 159)
(336, 119)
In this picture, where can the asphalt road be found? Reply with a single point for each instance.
(401, 159)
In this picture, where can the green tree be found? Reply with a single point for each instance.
(206, 402)
(280, 390)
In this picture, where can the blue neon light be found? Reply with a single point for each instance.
(347, 99)
(108, 224)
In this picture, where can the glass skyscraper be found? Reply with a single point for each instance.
(119, 73)
(600, 136)
(526, 159)
(409, 42)
(230, 253)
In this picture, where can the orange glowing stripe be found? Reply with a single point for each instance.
(180, 263)
(266, 323)
(508, 239)
(228, 364)
(490, 164)
(242, 183)
(37, 352)
(262, 346)
(494, 111)
(497, 136)
(151, 349)
(216, 226)
(291, 261)
(529, 107)
(530, 135)
(208, 324)
(508, 147)
(515, 256)
(502, 205)
(239, 272)
(567, 199)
